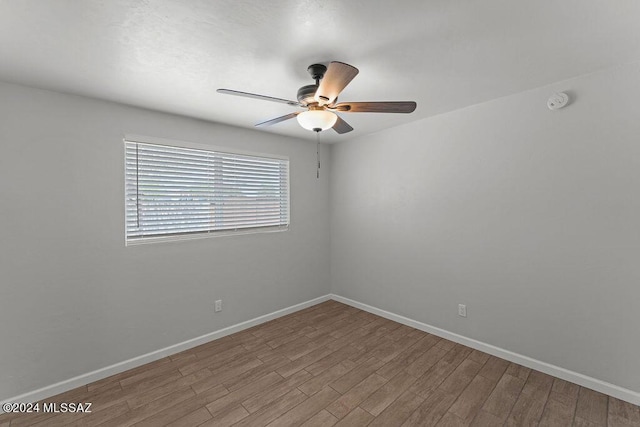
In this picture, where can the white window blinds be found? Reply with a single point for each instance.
(176, 191)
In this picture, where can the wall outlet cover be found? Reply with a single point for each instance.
(462, 310)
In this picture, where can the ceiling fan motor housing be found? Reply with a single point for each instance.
(306, 93)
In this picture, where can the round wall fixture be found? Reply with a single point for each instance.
(557, 101)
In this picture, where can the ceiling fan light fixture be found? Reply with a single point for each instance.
(317, 119)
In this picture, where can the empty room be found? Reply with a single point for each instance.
(319, 213)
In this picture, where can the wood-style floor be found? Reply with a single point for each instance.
(332, 364)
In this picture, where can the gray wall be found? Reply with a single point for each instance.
(73, 298)
(528, 216)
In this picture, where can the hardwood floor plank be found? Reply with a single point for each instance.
(557, 414)
(214, 360)
(408, 356)
(150, 383)
(356, 418)
(303, 346)
(356, 375)
(212, 347)
(183, 357)
(428, 359)
(236, 397)
(398, 411)
(504, 396)
(151, 408)
(472, 398)
(354, 336)
(273, 409)
(331, 360)
(526, 411)
(485, 419)
(581, 422)
(539, 385)
(279, 331)
(356, 395)
(479, 357)
(461, 377)
(356, 324)
(404, 332)
(317, 383)
(457, 354)
(161, 369)
(143, 398)
(530, 404)
(561, 404)
(518, 371)
(227, 417)
(253, 374)
(451, 420)
(330, 325)
(564, 392)
(224, 373)
(592, 406)
(286, 338)
(432, 379)
(59, 420)
(623, 414)
(370, 344)
(494, 368)
(445, 344)
(181, 409)
(392, 349)
(267, 396)
(304, 361)
(306, 409)
(321, 419)
(431, 410)
(385, 395)
(195, 418)
(376, 322)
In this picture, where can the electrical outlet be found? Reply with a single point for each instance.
(462, 310)
(218, 306)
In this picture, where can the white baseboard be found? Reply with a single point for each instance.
(99, 374)
(556, 371)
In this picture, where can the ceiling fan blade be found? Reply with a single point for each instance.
(341, 126)
(277, 120)
(256, 96)
(375, 107)
(336, 78)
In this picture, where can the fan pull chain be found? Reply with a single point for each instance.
(318, 153)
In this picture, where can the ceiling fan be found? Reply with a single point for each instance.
(320, 100)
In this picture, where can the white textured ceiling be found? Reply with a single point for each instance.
(172, 55)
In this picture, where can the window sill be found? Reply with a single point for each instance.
(194, 236)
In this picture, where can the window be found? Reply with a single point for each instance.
(178, 192)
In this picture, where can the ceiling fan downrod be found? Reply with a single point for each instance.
(317, 131)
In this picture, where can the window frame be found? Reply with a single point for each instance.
(133, 138)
